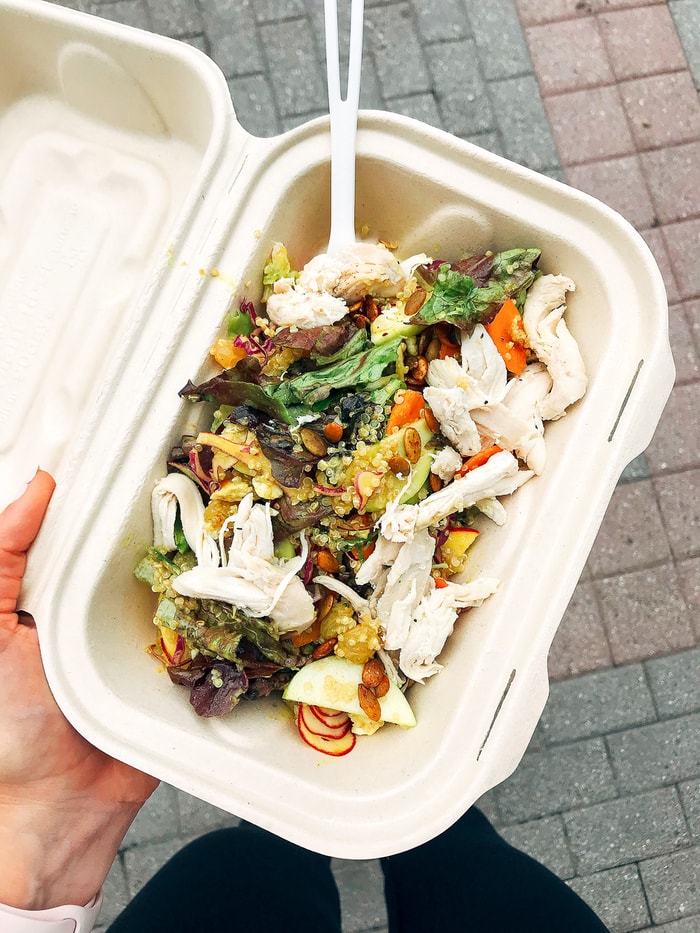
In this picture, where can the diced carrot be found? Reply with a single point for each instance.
(478, 459)
(507, 332)
(440, 583)
(226, 353)
(447, 347)
(406, 409)
(312, 633)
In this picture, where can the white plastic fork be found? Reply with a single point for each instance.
(343, 116)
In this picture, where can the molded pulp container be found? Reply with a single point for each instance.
(133, 211)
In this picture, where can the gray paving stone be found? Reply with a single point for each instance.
(421, 107)
(690, 799)
(254, 104)
(115, 893)
(233, 36)
(158, 819)
(672, 884)
(523, 123)
(460, 88)
(616, 896)
(130, 12)
(556, 780)
(392, 37)
(361, 889)
(488, 804)
(688, 925)
(597, 703)
(268, 10)
(686, 15)
(175, 17)
(298, 81)
(545, 840)
(451, 23)
(635, 470)
(675, 682)
(661, 753)
(198, 817)
(490, 141)
(619, 831)
(503, 52)
(198, 42)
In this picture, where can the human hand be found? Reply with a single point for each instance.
(64, 805)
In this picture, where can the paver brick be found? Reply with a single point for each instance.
(671, 884)
(679, 495)
(198, 817)
(675, 682)
(616, 896)
(460, 89)
(115, 894)
(569, 55)
(254, 105)
(421, 107)
(636, 470)
(523, 122)
(682, 242)
(663, 110)
(142, 862)
(503, 51)
(641, 41)
(655, 241)
(673, 177)
(589, 125)
(676, 443)
(175, 17)
(656, 754)
(686, 16)
(690, 799)
(158, 818)
(298, 80)
(626, 829)
(233, 37)
(398, 55)
(545, 840)
(533, 12)
(685, 354)
(619, 183)
(581, 642)
(689, 579)
(556, 780)
(129, 12)
(644, 614)
(597, 703)
(631, 534)
(451, 23)
(270, 10)
(361, 890)
(687, 925)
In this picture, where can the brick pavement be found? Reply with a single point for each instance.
(604, 95)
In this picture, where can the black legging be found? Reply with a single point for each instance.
(467, 880)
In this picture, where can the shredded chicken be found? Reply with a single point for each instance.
(551, 340)
(433, 622)
(251, 577)
(406, 585)
(172, 491)
(293, 306)
(446, 464)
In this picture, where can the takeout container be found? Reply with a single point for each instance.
(133, 210)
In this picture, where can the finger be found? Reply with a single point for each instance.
(19, 525)
(21, 520)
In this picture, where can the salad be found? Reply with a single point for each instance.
(368, 419)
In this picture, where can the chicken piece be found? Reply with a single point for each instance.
(551, 340)
(503, 427)
(452, 409)
(250, 576)
(446, 464)
(172, 491)
(292, 306)
(407, 583)
(485, 365)
(499, 476)
(433, 623)
(358, 270)
(375, 568)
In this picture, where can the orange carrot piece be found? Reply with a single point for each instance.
(507, 332)
(406, 410)
(447, 347)
(440, 583)
(478, 459)
(307, 636)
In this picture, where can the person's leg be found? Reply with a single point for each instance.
(237, 879)
(469, 880)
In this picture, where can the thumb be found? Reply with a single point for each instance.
(19, 525)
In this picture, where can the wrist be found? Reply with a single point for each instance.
(50, 857)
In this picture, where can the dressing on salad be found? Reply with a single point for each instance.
(315, 540)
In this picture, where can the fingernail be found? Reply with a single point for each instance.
(17, 490)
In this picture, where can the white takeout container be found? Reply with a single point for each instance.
(133, 210)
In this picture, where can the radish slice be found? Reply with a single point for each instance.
(334, 747)
(319, 728)
(329, 717)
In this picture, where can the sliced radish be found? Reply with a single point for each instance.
(330, 717)
(317, 727)
(333, 747)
